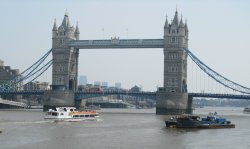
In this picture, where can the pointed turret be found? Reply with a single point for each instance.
(65, 21)
(166, 27)
(77, 32)
(166, 23)
(77, 29)
(176, 18)
(181, 23)
(55, 26)
(54, 30)
(186, 26)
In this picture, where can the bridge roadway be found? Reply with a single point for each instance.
(13, 103)
(151, 95)
(117, 43)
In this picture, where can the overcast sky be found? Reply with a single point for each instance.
(218, 34)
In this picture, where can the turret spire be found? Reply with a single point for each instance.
(166, 22)
(66, 13)
(181, 22)
(55, 26)
(176, 18)
(77, 29)
(186, 26)
(65, 21)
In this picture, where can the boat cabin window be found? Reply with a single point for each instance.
(61, 114)
(86, 115)
(91, 115)
(54, 114)
(81, 115)
(71, 110)
(75, 115)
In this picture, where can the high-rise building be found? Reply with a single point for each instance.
(1, 62)
(97, 83)
(104, 84)
(82, 80)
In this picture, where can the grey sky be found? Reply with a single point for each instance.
(218, 34)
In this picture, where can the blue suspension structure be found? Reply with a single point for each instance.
(216, 76)
(33, 72)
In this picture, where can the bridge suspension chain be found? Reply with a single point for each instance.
(26, 74)
(216, 76)
(39, 72)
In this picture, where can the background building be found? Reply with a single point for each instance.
(104, 85)
(82, 80)
(36, 86)
(118, 85)
(97, 83)
(7, 74)
(1, 62)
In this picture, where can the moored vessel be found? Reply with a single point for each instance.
(247, 109)
(212, 121)
(70, 114)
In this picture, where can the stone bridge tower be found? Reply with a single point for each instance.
(65, 58)
(65, 65)
(173, 97)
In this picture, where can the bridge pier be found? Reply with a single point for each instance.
(58, 98)
(168, 103)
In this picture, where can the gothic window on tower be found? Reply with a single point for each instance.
(61, 41)
(169, 82)
(173, 40)
(173, 31)
(175, 82)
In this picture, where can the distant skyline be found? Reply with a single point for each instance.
(218, 34)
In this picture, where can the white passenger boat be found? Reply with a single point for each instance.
(70, 114)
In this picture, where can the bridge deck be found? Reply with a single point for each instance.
(226, 96)
(117, 43)
(13, 103)
(79, 95)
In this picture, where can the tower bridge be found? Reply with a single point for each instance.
(66, 45)
(172, 98)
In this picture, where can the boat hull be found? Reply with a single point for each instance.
(212, 121)
(216, 126)
(199, 126)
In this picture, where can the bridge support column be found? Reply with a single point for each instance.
(168, 103)
(58, 98)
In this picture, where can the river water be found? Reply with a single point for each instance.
(120, 129)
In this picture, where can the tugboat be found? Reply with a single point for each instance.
(212, 121)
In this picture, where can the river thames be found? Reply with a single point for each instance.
(120, 129)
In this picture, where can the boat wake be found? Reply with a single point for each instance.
(27, 122)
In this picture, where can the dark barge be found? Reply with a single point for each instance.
(212, 121)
